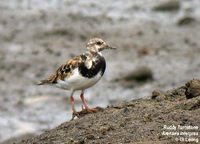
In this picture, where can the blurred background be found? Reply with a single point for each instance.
(158, 45)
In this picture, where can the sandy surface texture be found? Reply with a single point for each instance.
(158, 48)
(166, 117)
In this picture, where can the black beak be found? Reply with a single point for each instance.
(109, 47)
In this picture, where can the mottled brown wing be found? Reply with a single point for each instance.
(64, 70)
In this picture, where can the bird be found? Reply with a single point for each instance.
(80, 72)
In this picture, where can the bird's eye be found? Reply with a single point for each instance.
(99, 43)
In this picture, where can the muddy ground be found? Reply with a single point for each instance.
(159, 41)
(141, 121)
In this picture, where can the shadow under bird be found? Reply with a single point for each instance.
(81, 72)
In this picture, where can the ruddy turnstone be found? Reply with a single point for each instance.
(81, 72)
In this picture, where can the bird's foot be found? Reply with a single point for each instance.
(90, 110)
(85, 111)
(75, 114)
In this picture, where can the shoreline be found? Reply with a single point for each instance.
(139, 121)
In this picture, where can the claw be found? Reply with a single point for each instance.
(92, 110)
(84, 112)
(75, 114)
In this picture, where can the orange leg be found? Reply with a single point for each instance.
(72, 104)
(85, 103)
(74, 112)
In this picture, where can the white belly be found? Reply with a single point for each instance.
(77, 82)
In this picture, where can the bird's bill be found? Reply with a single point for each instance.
(105, 47)
(109, 47)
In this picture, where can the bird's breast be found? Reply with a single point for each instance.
(91, 67)
(77, 81)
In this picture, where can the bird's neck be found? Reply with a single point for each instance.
(94, 53)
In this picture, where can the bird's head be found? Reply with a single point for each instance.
(97, 45)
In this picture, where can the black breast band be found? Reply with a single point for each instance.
(97, 66)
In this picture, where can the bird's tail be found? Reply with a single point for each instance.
(42, 82)
(50, 80)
